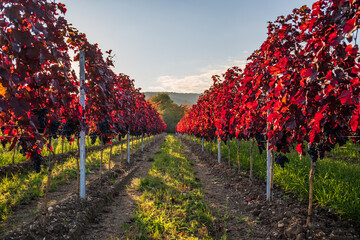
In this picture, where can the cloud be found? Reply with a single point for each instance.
(188, 84)
(197, 83)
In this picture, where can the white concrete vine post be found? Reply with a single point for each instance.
(268, 172)
(219, 150)
(82, 132)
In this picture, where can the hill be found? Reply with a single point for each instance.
(178, 98)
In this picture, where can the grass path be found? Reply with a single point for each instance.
(171, 204)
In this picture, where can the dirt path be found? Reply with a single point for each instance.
(247, 214)
(241, 209)
(227, 203)
(108, 225)
(28, 210)
(27, 213)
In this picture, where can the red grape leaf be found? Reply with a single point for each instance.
(349, 25)
(345, 97)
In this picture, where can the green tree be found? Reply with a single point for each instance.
(170, 112)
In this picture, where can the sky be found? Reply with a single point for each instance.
(177, 45)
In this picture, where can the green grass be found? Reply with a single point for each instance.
(59, 145)
(19, 188)
(336, 182)
(172, 204)
(6, 157)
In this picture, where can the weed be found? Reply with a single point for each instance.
(217, 180)
(240, 218)
(248, 232)
(171, 204)
(337, 180)
(226, 219)
(286, 197)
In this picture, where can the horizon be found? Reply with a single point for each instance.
(170, 92)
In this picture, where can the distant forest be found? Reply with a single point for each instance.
(170, 111)
(178, 98)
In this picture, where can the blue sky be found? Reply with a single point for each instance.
(177, 45)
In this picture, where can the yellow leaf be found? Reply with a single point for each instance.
(2, 90)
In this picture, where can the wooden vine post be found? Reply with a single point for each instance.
(132, 145)
(142, 142)
(111, 147)
(213, 145)
(271, 175)
(13, 158)
(101, 154)
(268, 172)
(128, 146)
(62, 145)
(357, 156)
(48, 182)
(251, 160)
(311, 193)
(229, 153)
(121, 151)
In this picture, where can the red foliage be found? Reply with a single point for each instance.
(302, 85)
(38, 87)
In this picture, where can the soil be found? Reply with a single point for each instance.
(70, 218)
(226, 203)
(247, 215)
(108, 225)
(26, 212)
(239, 205)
